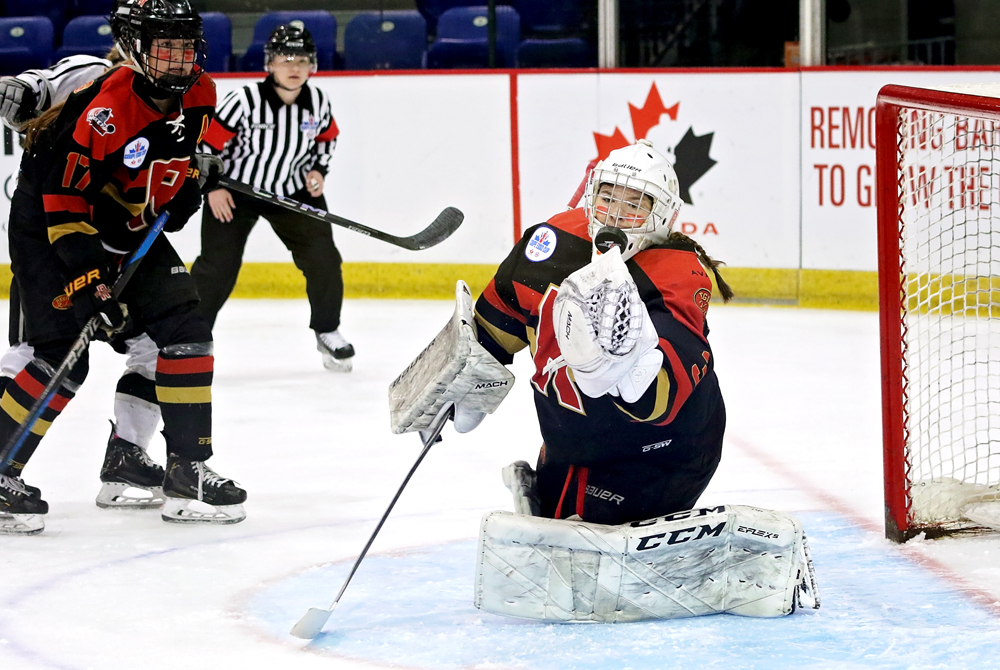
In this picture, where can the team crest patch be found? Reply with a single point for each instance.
(309, 126)
(135, 152)
(62, 301)
(98, 119)
(701, 298)
(541, 245)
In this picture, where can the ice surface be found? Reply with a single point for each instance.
(110, 589)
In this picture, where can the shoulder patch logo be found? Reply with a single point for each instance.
(701, 298)
(541, 245)
(62, 302)
(135, 152)
(309, 126)
(98, 119)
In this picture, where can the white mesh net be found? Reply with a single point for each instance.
(950, 270)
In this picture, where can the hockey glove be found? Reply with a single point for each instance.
(17, 102)
(209, 171)
(181, 207)
(604, 331)
(92, 297)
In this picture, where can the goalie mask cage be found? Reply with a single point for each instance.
(938, 173)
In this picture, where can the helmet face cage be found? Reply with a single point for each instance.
(636, 192)
(290, 42)
(166, 41)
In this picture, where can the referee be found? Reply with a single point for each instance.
(276, 135)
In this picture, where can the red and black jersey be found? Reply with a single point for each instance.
(110, 153)
(515, 311)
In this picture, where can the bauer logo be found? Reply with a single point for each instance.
(541, 245)
(135, 152)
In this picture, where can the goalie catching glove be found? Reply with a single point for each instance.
(604, 331)
(453, 368)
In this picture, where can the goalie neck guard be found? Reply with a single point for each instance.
(640, 196)
(165, 41)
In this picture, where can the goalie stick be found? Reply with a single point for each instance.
(312, 622)
(441, 228)
(79, 346)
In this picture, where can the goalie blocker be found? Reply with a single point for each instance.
(455, 368)
(732, 558)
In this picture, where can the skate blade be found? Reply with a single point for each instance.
(338, 364)
(21, 524)
(186, 510)
(115, 495)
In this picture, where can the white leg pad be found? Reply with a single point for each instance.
(188, 510)
(736, 559)
(115, 495)
(21, 524)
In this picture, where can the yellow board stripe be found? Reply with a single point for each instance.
(184, 395)
(19, 414)
(62, 229)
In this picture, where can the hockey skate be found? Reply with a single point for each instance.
(338, 353)
(196, 494)
(21, 509)
(128, 469)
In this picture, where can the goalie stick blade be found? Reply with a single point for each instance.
(312, 622)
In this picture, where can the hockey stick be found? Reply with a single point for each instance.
(312, 622)
(440, 229)
(75, 351)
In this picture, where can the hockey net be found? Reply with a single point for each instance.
(938, 166)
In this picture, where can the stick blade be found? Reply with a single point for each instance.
(311, 623)
(441, 228)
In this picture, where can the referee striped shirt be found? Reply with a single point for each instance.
(54, 84)
(268, 144)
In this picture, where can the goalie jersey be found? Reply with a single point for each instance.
(629, 461)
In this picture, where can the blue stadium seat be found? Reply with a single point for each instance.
(25, 43)
(219, 35)
(468, 25)
(567, 52)
(89, 35)
(321, 24)
(433, 9)
(551, 18)
(394, 40)
(54, 10)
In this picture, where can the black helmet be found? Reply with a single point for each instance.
(291, 40)
(150, 20)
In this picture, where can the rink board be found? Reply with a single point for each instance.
(414, 609)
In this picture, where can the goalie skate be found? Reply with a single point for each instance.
(194, 493)
(129, 478)
(21, 511)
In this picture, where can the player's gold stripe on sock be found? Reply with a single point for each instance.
(184, 395)
(19, 414)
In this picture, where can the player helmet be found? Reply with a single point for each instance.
(635, 189)
(165, 40)
(290, 41)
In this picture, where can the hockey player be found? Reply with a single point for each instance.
(95, 173)
(126, 464)
(277, 135)
(628, 401)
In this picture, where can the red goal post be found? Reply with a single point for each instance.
(938, 204)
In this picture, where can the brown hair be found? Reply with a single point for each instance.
(706, 260)
(34, 128)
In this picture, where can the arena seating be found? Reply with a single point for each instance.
(394, 40)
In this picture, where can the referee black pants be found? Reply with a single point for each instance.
(310, 241)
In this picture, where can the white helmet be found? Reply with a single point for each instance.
(635, 173)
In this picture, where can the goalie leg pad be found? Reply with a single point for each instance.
(732, 558)
(453, 368)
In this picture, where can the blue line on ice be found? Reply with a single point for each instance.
(415, 609)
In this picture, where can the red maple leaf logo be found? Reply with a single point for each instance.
(644, 118)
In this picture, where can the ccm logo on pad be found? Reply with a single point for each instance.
(679, 536)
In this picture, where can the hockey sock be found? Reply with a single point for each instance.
(18, 397)
(184, 392)
(137, 412)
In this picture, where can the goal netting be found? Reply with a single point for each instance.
(938, 165)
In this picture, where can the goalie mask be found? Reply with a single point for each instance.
(635, 190)
(290, 42)
(164, 39)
